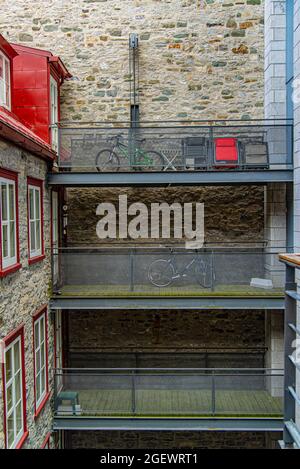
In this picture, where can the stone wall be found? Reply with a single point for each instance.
(170, 440)
(24, 292)
(160, 330)
(231, 213)
(198, 58)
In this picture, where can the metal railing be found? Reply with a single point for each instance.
(162, 356)
(175, 146)
(168, 392)
(161, 270)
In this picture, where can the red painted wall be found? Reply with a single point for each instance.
(31, 95)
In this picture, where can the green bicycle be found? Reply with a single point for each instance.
(108, 159)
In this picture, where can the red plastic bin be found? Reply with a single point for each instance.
(226, 152)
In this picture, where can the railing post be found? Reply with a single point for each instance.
(55, 402)
(131, 267)
(133, 397)
(211, 146)
(213, 393)
(212, 270)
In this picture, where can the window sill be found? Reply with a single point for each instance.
(10, 270)
(41, 406)
(22, 441)
(34, 260)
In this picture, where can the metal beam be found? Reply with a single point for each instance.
(294, 432)
(163, 178)
(136, 303)
(169, 424)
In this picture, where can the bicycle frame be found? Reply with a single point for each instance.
(186, 267)
(138, 152)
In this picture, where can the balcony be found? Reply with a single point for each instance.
(158, 153)
(198, 394)
(160, 275)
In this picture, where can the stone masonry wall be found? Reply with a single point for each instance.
(170, 440)
(159, 330)
(24, 292)
(231, 213)
(199, 59)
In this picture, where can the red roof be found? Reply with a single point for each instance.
(14, 130)
(7, 48)
(56, 61)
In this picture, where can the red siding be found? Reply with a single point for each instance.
(31, 93)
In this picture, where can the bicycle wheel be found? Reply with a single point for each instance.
(107, 160)
(203, 273)
(161, 273)
(157, 161)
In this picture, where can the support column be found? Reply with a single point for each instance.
(275, 232)
(275, 353)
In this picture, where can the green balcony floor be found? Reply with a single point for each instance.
(176, 403)
(173, 290)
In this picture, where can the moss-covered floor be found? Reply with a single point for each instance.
(176, 403)
(174, 290)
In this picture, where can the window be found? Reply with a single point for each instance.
(40, 359)
(35, 220)
(54, 113)
(14, 390)
(9, 222)
(5, 81)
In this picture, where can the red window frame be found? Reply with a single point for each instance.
(46, 442)
(39, 184)
(13, 176)
(19, 332)
(41, 312)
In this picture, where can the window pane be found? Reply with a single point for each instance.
(12, 234)
(4, 202)
(17, 355)
(32, 235)
(11, 202)
(37, 204)
(8, 365)
(9, 397)
(42, 324)
(4, 240)
(43, 381)
(38, 387)
(31, 204)
(38, 235)
(7, 71)
(36, 335)
(10, 430)
(43, 355)
(19, 419)
(1, 67)
(18, 387)
(38, 362)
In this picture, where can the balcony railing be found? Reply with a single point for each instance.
(167, 271)
(175, 146)
(148, 392)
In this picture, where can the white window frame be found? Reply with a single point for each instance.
(40, 357)
(9, 260)
(34, 219)
(54, 112)
(12, 383)
(5, 83)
